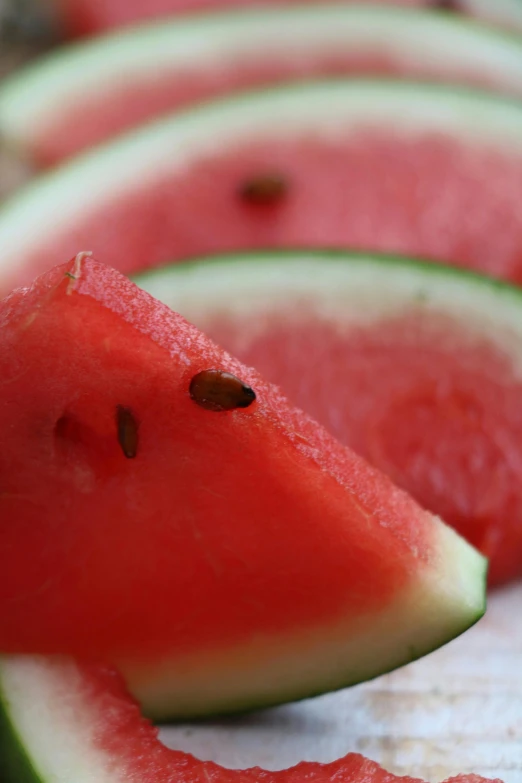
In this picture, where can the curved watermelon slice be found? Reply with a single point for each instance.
(119, 81)
(83, 17)
(393, 166)
(443, 418)
(59, 718)
(224, 560)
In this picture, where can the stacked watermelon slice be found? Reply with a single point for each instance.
(344, 181)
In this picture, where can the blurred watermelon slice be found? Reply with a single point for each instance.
(61, 721)
(80, 96)
(416, 169)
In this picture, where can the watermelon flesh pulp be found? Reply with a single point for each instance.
(118, 82)
(416, 368)
(390, 166)
(61, 716)
(229, 541)
(84, 17)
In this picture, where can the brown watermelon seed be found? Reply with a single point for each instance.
(216, 390)
(446, 5)
(127, 428)
(263, 189)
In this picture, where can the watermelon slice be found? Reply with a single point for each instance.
(393, 166)
(225, 557)
(83, 17)
(443, 420)
(61, 721)
(119, 81)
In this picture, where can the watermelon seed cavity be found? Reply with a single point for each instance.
(216, 390)
(127, 427)
(264, 189)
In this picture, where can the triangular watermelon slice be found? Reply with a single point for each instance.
(224, 559)
(61, 722)
(81, 17)
(443, 417)
(118, 81)
(400, 167)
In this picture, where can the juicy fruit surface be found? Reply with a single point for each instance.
(402, 168)
(120, 81)
(423, 380)
(94, 727)
(271, 514)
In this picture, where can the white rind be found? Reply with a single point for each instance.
(330, 109)
(69, 77)
(344, 289)
(47, 709)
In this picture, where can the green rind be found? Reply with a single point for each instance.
(239, 708)
(15, 766)
(426, 267)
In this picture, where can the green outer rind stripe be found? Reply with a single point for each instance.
(15, 766)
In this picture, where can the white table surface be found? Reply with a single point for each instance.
(457, 710)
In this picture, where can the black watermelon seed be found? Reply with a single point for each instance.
(127, 428)
(263, 189)
(216, 390)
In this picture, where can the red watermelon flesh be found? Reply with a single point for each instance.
(120, 81)
(84, 17)
(93, 726)
(386, 166)
(228, 540)
(423, 378)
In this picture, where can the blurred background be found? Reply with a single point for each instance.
(25, 32)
